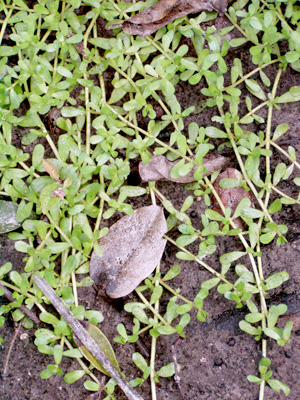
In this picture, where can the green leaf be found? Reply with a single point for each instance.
(267, 237)
(70, 265)
(46, 199)
(167, 370)
(139, 361)
(69, 112)
(58, 247)
(279, 172)
(73, 376)
(181, 255)
(166, 330)
(277, 386)
(276, 280)
(248, 328)
(280, 130)
(214, 132)
(253, 235)
(48, 318)
(254, 317)
(271, 333)
(254, 379)
(228, 258)
(184, 308)
(91, 386)
(174, 271)
(255, 89)
(102, 342)
(140, 314)
(157, 292)
(249, 212)
(57, 353)
(213, 215)
(292, 95)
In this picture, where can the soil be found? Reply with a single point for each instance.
(216, 356)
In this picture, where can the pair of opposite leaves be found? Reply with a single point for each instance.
(134, 245)
(166, 11)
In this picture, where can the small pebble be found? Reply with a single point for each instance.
(218, 362)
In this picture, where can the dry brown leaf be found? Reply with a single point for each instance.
(159, 168)
(131, 250)
(59, 193)
(50, 169)
(166, 11)
(230, 197)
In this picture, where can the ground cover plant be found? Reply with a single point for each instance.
(96, 105)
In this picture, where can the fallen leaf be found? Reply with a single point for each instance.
(164, 12)
(159, 168)
(8, 213)
(59, 193)
(131, 250)
(50, 169)
(102, 342)
(232, 196)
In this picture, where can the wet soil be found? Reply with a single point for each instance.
(216, 356)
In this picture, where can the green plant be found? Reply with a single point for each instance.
(55, 60)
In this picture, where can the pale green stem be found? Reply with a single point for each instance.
(165, 285)
(254, 110)
(188, 159)
(285, 153)
(24, 166)
(59, 230)
(4, 24)
(268, 132)
(250, 74)
(202, 263)
(284, 195)
(81, 363)
(146, 302)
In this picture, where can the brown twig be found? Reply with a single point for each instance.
(17, 331)
(176, 375)
(30, 314)
(85, 338)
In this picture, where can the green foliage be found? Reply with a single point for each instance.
(60, 213)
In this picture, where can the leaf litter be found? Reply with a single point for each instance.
(131, 250)
(159, 168)
(231, 196)
(162, 13)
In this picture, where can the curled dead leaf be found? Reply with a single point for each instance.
(232, 196)
(59, 193)
(131, 250)
(166, 11)
(159, 168)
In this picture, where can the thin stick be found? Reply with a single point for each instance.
(30, 314)
(17, 331)
(85, 338)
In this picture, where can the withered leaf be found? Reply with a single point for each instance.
(102, 342)
(58, 193)
(159, 168)
(50, 169)
(131, 250)
(232, 196)
(166, 11)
